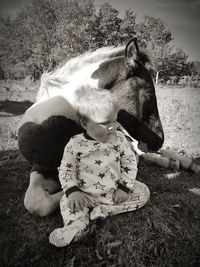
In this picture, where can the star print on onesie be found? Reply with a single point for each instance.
(98, 162)
(97, 169)
(106, 152)
(83, 143)
(88, 164)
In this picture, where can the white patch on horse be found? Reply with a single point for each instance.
(75, 73)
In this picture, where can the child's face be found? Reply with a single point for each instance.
(101, 128)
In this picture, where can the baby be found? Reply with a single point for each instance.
(98, 170)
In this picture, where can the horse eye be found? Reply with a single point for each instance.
(148, 97)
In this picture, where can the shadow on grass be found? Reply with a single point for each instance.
(14, 107)
(163, 233)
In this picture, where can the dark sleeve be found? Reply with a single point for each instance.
(71, 190)
(124, 188)
(139, 130)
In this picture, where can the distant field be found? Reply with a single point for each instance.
(21, 90)
(180, 115)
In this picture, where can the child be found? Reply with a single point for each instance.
(98, 169)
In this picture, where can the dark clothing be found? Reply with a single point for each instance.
(139, 131)
(43, 144)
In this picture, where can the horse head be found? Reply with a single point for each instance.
(128, 74)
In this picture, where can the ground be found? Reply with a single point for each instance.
(166, 232)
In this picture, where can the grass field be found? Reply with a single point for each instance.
(166, 232)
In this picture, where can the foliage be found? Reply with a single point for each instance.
(72, 36)
(195, 67)
(153, 34)
(106, 28)
(175, 64)
(47, 32)
(128, 25)
(155, 37)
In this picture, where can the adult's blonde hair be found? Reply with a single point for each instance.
(92, 102)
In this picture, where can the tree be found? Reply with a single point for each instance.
(175, 64)
(153, 35)
(128, 26)
(47, 32)
(41, 21)
(44, 33)
(72, 34)
(106, 27)
(4, 30)
(30, 36)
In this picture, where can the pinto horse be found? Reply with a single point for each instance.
(127, 72)
(48, 124)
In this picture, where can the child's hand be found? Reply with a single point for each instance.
(119, 196)
(78, 200)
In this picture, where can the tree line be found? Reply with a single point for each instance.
(47, 32)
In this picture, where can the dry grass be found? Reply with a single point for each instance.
(180, 112)
(165, 232)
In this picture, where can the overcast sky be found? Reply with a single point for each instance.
(182, 17)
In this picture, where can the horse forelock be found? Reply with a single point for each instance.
(146, 57)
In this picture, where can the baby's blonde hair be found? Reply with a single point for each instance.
(91, 101)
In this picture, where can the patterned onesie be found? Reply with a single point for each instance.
(97, 169)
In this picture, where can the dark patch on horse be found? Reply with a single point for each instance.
(109, 72)
(139, 130)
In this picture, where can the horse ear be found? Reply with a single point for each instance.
(131, 53)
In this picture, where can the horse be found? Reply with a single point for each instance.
(127, 72)
(51, 121)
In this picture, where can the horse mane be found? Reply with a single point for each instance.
(66, 69)
(63, 73)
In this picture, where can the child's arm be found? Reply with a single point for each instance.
(68, 179)
(128, 166)
(128, 171)
(67, 169)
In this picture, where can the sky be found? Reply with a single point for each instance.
(182, 18)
